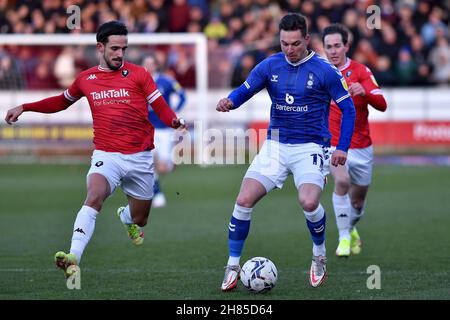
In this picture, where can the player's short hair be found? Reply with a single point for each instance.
(294, 21)
(111, 28)
(337, 28)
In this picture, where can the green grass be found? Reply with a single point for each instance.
(405, 232)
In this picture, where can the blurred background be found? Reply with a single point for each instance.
(409, 55)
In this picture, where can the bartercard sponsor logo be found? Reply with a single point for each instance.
(291, 108)
(107, 94)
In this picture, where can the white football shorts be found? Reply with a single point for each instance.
(275, 161)
(132, 172)
(164, 142)
(359, 165)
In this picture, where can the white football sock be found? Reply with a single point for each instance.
(233, 261)
(319, 250)
(342, 210)
(125, 216)
(82, 230)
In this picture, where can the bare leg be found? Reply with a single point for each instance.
(358, 196)
(140, 210)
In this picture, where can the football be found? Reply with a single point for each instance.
(259, 274)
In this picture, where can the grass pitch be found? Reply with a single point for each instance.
(405, 232)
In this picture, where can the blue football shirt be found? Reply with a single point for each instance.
(300, 95)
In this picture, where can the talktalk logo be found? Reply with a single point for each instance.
(105, 94)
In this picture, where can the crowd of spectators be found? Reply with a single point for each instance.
(411, 47)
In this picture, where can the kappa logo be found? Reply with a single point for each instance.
(79, 230)
(342, 215)
(91, 77)
(274, 78)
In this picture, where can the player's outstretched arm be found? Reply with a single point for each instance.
(13, 114)
(48, 105)
(224, 105)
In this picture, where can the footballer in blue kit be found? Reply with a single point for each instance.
(164, 136)
(301, 85)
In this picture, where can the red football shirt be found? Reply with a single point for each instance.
(356, 72)
(119, 104)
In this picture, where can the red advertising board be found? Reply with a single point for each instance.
(411, 133)
(399, 133)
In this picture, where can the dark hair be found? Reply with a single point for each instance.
(336, 28)
(294, 21)
(111, 28)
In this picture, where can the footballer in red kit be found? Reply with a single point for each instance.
(119, 95)
(355, 72)
(352, 181)
(118, 101)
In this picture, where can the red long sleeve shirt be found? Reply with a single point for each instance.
(119, 102)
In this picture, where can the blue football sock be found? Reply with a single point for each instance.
(316, 224)
(238, 229)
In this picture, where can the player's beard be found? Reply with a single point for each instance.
(110, 65)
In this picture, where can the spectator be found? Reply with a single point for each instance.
(196, 16)
(367, 54)
(420, 16)
(243, 67)
(201, 4)
(65, 71)
(182, 65)
(383, 72)
(149, 23)
(440, 60)
(216, 29)
(251, 26)
(179, 16)
(159, 7)
(434, 23)
(405, 67)
(389, 45)
(10, 76)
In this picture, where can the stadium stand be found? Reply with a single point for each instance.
(411, 48)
